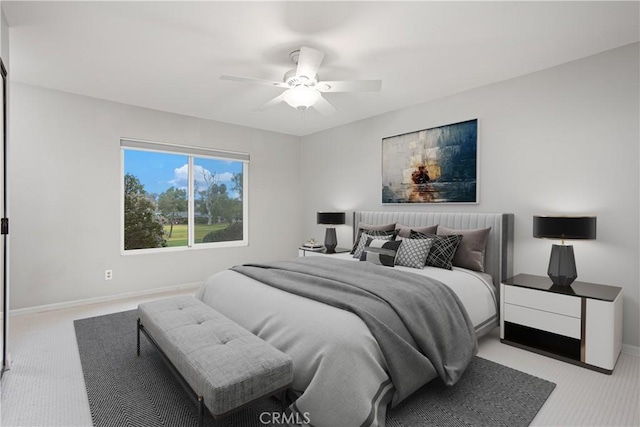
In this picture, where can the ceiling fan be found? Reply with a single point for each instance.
(303, 87)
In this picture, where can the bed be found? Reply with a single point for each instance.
(341, 376)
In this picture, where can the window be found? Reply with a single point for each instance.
(182, 197)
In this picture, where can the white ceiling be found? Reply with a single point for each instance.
(169, 55)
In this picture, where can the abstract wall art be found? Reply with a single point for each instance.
(437, 165)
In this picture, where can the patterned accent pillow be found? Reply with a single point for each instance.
(381, 252)
(413, 252)
(384, 235)
(442, 250)
(368, 228)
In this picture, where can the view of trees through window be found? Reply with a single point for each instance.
(158, 187)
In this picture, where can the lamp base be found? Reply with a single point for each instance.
(330, 240)
(562, 265)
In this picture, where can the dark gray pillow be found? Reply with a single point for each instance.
(470, 252)
(369, 227)
(381, 252)
(442, 250)
(405, 230)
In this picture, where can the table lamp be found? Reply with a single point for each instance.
(562, 263)
(331, 219)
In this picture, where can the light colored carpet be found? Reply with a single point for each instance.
(45, 386)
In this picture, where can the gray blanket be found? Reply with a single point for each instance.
(417, 321)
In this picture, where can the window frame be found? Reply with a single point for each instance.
(191, 152)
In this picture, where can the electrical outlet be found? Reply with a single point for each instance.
(108, 274)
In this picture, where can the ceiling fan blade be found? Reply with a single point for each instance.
(252, 80)
(308, 62)
(350, 86)
(275, 101)
(324, 107)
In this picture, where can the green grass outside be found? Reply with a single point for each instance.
(179, 236)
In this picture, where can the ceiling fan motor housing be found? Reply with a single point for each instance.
(293, 80)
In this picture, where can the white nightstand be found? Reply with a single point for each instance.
(308, 252)
(579, 324)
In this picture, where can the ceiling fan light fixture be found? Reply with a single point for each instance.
(303, 86)
(301, 97)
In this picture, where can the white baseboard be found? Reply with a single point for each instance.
(76, 303)
(633, 350)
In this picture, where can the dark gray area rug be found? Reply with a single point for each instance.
(126, 390)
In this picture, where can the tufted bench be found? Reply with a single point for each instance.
(223, 364)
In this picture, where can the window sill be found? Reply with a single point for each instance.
(196, 247)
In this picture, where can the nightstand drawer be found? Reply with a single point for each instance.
(546, 301)
(543, 320)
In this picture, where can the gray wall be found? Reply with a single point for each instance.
(4, 39)
(563, 140)
(65, 197)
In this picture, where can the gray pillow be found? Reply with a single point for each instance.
(413, 252)
(470, 252)
(405, 230)
(369, 227)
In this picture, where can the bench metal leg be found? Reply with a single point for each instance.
(200, 411)
(283, 400)
(138, 329)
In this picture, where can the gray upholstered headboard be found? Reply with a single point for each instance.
(499, 253)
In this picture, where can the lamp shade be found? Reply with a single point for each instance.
(301, 97)
(333, 218)
(564, 227)
(562, 263)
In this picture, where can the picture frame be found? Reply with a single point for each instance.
(435, 165)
